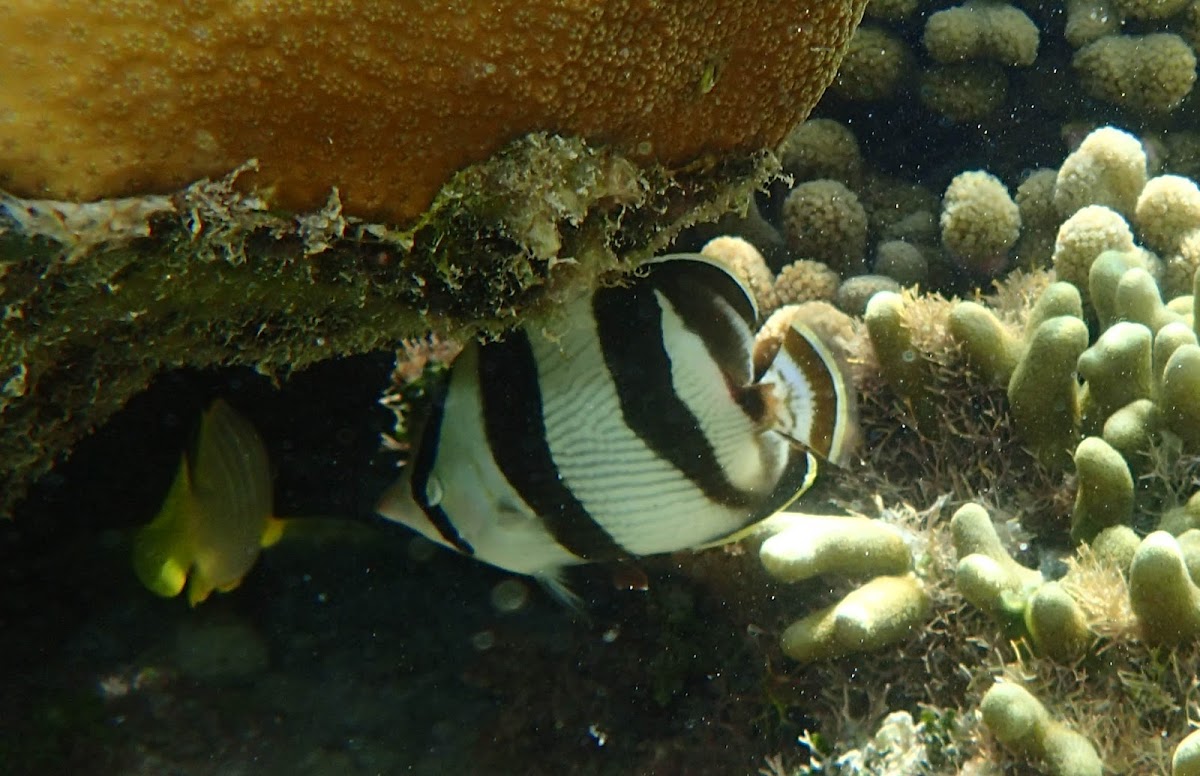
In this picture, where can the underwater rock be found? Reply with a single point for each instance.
(855, 293)
(901, 261)
(219, 650)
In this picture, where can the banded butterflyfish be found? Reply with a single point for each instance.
(638, 426)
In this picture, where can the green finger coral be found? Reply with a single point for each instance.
(1180, 394)
(878, 614)
(1019, 721)
(1104, 497)
(986, 575)
(1117, 371)
(988, 343)
(1163, 596)
(1186, 759)
(905, 368)
(1044, 393)
(883, 611)
(1056, 623)
(811, 545)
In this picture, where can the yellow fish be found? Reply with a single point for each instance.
(217, 515)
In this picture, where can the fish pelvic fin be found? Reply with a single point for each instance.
(553, 582)
(812, 403)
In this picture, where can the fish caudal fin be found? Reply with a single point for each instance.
(813, 402)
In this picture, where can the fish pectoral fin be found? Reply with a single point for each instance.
(511, 515)
(814, 402)
(761, 404)
(162, 571)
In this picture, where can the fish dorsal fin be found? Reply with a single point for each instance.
(815, 406)
(714, 304)
(714, 275)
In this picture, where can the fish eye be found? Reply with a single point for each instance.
(433, 491)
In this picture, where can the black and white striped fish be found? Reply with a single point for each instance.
(641, 428)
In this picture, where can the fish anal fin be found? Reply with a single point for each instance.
(162, 553)
(553, 583)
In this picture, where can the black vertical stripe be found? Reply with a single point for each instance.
(516, 435)
(629, 326)
(713, 277)
(422, 468)
(694, 289)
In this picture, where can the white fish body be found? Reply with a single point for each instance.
(640, 429)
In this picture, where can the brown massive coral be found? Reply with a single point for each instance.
(384, 99)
